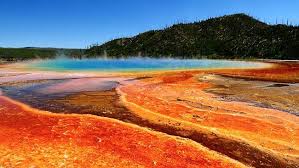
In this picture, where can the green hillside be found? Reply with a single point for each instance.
(231, 36)
(16, 54)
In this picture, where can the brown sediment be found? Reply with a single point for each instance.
(278, 85)
(181, 104)
(258, 137)
(284, 97)
(234, 148)
(100, 103)
(32, 138)
(240, 151)
(106, 103)
(140, 78)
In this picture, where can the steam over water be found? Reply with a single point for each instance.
(136, 64)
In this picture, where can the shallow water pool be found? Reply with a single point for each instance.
(136, 64)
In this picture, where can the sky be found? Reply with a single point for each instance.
(80, 23)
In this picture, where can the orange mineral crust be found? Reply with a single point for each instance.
(179, 100)
(32, 138)
(280, 72)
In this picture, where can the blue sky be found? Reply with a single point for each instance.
(79, 23)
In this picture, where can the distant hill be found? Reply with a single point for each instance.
(16, 54)
(230, 36)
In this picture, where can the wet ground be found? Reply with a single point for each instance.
(180, 104)
(281, 96)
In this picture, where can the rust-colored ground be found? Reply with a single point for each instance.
(179, 100)
(281, 72)
(224, 125)
(31, 138)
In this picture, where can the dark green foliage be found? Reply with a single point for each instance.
(17, 54)
(232, 36)
(13, 54)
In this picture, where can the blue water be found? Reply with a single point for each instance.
(136, 64)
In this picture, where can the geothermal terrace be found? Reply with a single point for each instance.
(181, 118)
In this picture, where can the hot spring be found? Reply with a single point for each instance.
(136, 64)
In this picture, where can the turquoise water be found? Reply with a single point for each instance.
(136, 64)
